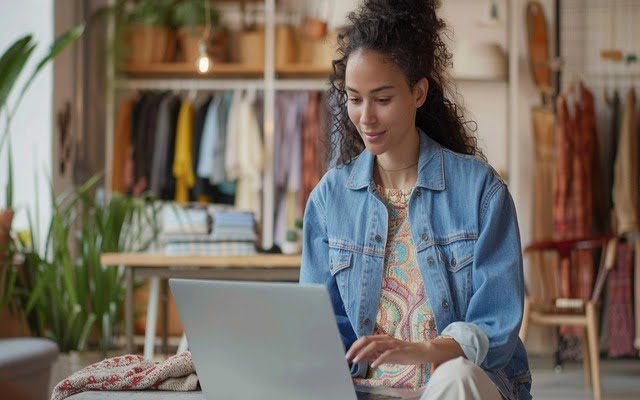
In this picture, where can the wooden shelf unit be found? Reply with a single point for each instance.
(223, 70)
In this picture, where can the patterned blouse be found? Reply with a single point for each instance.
(404, 311)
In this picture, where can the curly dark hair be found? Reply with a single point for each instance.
(407, 32)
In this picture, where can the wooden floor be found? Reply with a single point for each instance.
(620, 380)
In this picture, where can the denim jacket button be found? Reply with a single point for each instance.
(366, 321)
(453, 261)
(418, 193)
(430, 261)
(445, 304)
(425, 236)
(377, 238)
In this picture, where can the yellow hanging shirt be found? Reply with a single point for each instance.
(183, 157)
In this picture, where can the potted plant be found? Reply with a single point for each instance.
(150, 37)
(64, 291)
(143, 31)
(12, 64)
(197, 21)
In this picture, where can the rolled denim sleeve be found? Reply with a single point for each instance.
(472, 340)
(315, 268)
(495, 309)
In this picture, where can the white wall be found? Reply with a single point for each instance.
(32, 125)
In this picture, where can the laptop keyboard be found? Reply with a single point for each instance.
(374, 396)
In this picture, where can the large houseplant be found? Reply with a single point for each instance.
(64, 291)
(12, 64)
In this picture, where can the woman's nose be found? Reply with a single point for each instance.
(368, 116)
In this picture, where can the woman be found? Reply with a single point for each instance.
(413, 234)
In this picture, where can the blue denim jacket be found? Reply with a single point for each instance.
(466, 237)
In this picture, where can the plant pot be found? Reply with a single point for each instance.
(6, 217)
(150, 44)
(315, 28)
(189, 43)
(252, 47)
(285, 45)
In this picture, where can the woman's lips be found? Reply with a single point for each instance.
(374, 136)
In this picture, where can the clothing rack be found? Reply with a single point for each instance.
(613, 27)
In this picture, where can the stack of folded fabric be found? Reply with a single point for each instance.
(232, 233)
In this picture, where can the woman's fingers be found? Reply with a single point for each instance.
(362, 343)
(384, 357)
(366, 347)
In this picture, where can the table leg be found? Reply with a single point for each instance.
(165, 317)
(128, 309)
(152, 318)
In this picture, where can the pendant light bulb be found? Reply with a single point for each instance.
(203, 62)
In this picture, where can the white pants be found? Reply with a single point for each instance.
(460, 379)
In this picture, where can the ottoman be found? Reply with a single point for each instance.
(26, 363)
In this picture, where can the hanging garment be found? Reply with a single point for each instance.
(209, 136)
(165, 128)
(609, 137)
(143, 143)
(625, 187)
(182, 162)
(247, 159)
(136, 126)
(199, 192)
(573, 199)
(311, 152)
(288, 130)
(217, 175)
(625, 181)
(167, 180)
(620, 304)
(121, 144)
(540, 278)
(231, 160)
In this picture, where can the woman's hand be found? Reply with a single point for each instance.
(381, 349)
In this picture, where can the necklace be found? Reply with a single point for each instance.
(399, 169)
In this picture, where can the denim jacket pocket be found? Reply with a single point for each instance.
(339, 267)
(456, 256)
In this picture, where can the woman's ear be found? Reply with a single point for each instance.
(420, 91)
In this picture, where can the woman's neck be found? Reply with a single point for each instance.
(397, 178)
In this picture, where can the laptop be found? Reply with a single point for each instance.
(268, 341)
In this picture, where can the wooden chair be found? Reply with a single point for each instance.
(551, 308)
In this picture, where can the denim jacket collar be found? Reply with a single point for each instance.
(430, 167)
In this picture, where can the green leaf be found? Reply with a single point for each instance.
(12, 63)
(58, 45)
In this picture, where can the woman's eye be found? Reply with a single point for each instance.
(354, 100)
(383, 101)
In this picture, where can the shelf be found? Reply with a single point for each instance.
(223, 70)
(187, 69)
(302, 70)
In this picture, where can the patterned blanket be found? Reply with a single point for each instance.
(131, 372)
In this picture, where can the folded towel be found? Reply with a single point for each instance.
(131, 372)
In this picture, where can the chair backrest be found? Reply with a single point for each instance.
(567, 254)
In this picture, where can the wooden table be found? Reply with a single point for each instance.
(259, 267)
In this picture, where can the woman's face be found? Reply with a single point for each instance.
(381, 105)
